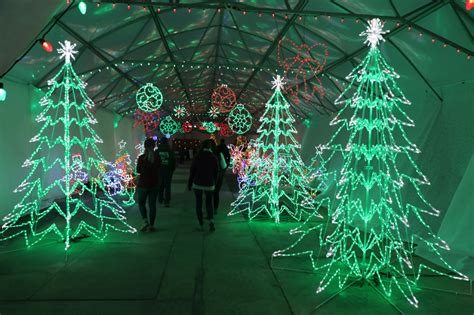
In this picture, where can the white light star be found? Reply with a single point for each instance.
(278, 82)
(122, 144)
(67, 51)
(374, 33)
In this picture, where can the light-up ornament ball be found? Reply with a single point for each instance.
(240, 119)
(209, 126)
(224, 130)
(187, 127)
(155, 138)
(223, 98)
(168, 126)
(149, 98)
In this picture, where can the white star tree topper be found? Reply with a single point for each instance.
(278, 82)
(374, 33)
(67, 51)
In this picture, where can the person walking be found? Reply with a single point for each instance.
(148, 167)
(202, 179)
(168, 165)
(222, 166)
(222, 147)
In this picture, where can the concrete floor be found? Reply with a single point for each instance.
(179, 270)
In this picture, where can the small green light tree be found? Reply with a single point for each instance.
(369, 235)
(66, 131)
(275, 181)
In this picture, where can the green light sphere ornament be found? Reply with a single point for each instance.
(209, 126)
(240, 119)
(169, 126)
(149, 98)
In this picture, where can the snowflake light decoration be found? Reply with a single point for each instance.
(214, 112)
(67, 51)
(277, 82)
(374, 33)
(180, 111)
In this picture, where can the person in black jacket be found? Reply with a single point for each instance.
(202, 179)
(148, 166)
(168, 165)
(222, 166)
(225, 151)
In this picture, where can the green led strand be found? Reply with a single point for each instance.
(26, 217)
(369, 233)
(274, 182)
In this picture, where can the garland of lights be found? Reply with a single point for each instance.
(370, 237)
(240, 119)
(274, 181)
(149, 98)
(66, 107)
(169, 126)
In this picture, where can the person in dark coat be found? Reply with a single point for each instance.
(168, 165)
(202, 179)
(222, 166)
(148, 167)
(222, 147)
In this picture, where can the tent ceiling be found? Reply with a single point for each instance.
(187, 48)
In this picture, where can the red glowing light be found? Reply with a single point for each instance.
(47, 46)
(469, 4)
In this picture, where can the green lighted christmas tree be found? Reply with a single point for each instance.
(66, 132)
(275, 181)
(370, 234)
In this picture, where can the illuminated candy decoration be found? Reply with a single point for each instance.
(273, 182)
(149, 120)
(180, 111)
(240, 119)
(214, 112)
(301, 70)
(223, 98)
(168, 126)
(149, 98)
(209, 126)
(187, 127)
(374, 227)
(73, 135)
